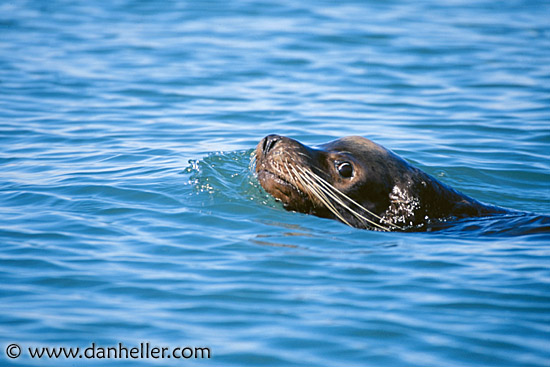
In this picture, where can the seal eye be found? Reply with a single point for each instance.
(345, 169)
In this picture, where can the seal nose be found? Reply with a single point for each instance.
(269, 142)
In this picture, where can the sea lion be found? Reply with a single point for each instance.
(360, 183)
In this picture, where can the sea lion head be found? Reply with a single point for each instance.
(360, 183)
(351, 179)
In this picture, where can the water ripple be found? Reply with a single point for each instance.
(128, 211)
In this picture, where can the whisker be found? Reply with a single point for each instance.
(331, 187)
(317, 188)
(333, 192)
(319, 194)
(357, 214)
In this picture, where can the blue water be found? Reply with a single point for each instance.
(129, 213)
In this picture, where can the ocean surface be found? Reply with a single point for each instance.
(129, 212)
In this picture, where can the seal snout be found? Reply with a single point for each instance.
(269, 142)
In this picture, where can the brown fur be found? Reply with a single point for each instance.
(383, 193)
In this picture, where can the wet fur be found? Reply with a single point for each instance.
(385, 193)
